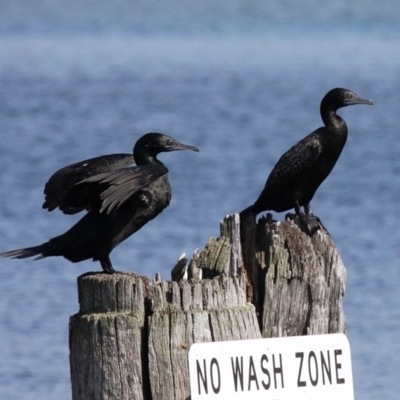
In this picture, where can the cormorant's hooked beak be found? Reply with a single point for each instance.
(180, 146)
(358, 100)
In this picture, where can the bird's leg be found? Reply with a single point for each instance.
(106, 265)
(307, 209)
(309, 222)
(298, 213)
(297, 209)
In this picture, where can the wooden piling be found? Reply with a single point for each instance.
(131, 336)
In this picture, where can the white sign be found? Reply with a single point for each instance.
(299, 367)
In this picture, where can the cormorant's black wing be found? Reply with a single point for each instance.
(60, 182)
(109, 190)
(296, 162)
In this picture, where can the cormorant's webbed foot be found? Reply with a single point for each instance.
(106, 265)
(307, 221)
(308, 224)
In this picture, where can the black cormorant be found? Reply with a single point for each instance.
(120, 201)
(299, 172)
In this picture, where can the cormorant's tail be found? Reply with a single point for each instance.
(247, 210)
(41, 251)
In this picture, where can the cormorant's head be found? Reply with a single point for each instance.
(152, 144)
(337, 98)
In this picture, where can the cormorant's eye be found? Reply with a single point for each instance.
(349, 96)
(169, 142)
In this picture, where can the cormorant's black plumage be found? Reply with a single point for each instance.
(120, 201)
(57, 187)
(301, 170)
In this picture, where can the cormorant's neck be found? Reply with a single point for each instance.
(332, 120)
(145, 158)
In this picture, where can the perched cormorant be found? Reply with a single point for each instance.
(120, 201)
(297, 175)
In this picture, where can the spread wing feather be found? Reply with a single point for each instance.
(108, 191)
(64, 179)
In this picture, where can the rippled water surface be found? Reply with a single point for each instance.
(240, 80)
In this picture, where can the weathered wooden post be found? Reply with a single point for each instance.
(107, 338)
(131, 336)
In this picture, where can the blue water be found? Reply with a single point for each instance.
(240, 80)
